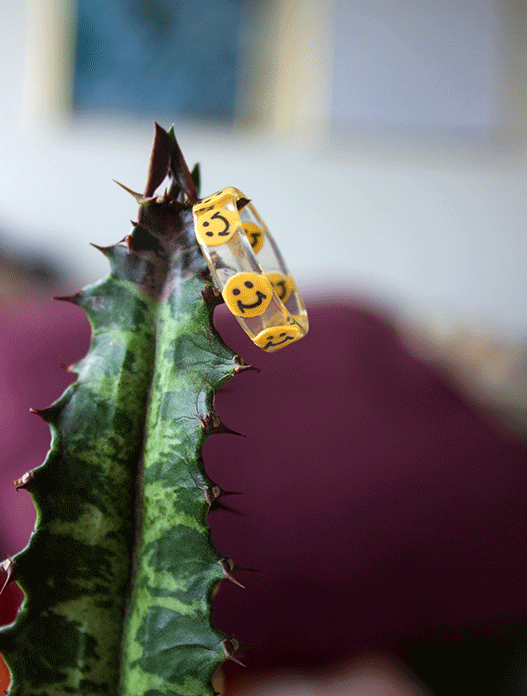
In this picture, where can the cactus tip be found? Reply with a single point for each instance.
(182, 178)
(159, 163)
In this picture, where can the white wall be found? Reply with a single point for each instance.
(425, 227)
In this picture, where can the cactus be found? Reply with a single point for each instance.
(119, 572)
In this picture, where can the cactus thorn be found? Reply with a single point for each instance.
(38, 412)
(242, 202)
(222, 506)
(230, 646)
(106, 250)
(68, 298)
(228, 567)
(25, 481)
(212, 296)
(211, 425)
(138, 196)
(231, 492)
(63, 365)
(234, 567)
(242, 366)
(214, 493)
(8, 566)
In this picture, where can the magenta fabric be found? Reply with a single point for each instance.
(378, 506)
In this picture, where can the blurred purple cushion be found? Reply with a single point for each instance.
(378, 505)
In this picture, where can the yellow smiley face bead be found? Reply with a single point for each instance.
(278, 337)
(247, 294)
(216, 218)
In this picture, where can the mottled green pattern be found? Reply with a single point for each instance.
(75, 571)
(119, 572)
(168, 633)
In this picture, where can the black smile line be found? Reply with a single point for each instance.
(270, 344)
(261, 298)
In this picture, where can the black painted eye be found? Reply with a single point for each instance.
(282, 334)
(209, 234)
(248, 284)
(270, 338)
(206, 224)
(236, 291)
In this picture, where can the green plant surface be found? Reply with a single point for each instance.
(119, 572)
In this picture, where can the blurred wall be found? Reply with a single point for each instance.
(433, 225)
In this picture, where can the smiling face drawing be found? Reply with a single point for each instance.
(215, 226)
(247, 294)
(277, 337)
(216, 218)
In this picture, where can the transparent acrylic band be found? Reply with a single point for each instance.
(249, 270)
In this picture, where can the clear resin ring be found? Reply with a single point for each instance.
(249, 270)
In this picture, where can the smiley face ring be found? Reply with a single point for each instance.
(248, 269)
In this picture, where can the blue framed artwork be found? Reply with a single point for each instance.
(156, 56)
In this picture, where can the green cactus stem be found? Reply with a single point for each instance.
(119, 572)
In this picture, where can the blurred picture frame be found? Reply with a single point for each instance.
(158, 56)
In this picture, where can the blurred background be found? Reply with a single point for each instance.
(384, 144)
